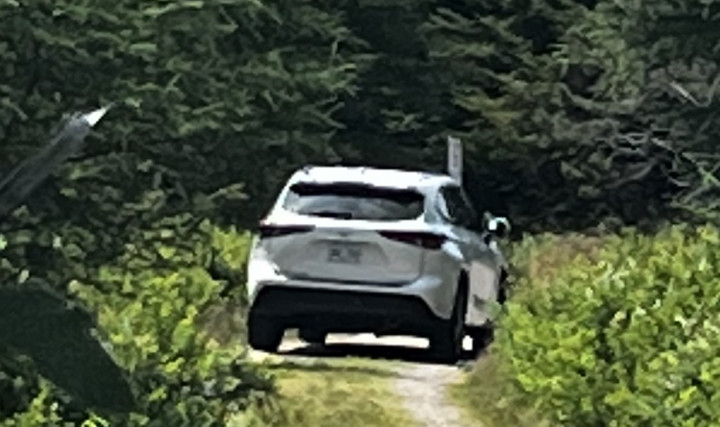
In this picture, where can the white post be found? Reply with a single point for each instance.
(455, 159)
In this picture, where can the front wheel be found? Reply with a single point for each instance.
(447, 339)
(264, 334)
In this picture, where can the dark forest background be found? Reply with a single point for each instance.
(576, 115)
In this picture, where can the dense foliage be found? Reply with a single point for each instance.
(617, 330)
(573, 113)
(210, 96)
(626, 334)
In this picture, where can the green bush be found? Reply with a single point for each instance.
(627, 336)
(157, 314)
(488, 391)
(536, 259)
(182, 374)
(214, 105)
(489, 395)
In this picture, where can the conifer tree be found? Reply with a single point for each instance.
(477, 69)
(217, 100)
(497, 60)
(400, 102)
(648, 121)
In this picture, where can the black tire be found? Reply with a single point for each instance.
(481, 338)
(312, 336)
(447, 339)
(502, 295)
(264, 334)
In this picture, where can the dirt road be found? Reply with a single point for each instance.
(420, 385)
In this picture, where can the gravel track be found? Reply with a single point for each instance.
(422, 387)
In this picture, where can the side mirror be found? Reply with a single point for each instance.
(498, 226)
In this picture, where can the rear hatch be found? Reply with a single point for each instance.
(351, 233)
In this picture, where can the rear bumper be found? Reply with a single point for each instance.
(343, 311)
(436, 293)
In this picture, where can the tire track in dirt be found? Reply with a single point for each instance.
(422, 387)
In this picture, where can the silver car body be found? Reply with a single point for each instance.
(368, 255)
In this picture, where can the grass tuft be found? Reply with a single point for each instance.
(318, 393)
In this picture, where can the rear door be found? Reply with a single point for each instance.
(481, 260)
(460, 220)
(347, 232)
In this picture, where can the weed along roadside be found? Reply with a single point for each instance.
(329, 392)
(340, 393)
(623, 333)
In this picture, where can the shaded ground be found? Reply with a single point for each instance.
(420, 384)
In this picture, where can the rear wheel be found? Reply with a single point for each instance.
(481, 338)
(264, 334)
(484, 335)
(312, 336)
(446, 342)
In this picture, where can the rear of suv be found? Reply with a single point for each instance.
(372, 250)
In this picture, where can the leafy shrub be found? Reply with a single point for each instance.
(625, 337)
(223, 319)
(488, 391)
(39, 413)
(538, 258)
(182, 375)
(152, 307)
(489, 395)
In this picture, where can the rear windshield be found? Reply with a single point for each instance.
(354, 201)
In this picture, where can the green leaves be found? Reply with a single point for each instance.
(216, 104)
(59, 340)
(630, 326)
(159, 318)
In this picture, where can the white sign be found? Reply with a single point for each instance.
(455, 158)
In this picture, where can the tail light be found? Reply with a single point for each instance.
(267, 231)
(423, 239)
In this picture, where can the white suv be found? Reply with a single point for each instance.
(355, 249)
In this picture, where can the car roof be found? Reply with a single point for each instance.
(387, 178)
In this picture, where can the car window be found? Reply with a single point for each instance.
(354, 201)
(461, 214)
(471, 213)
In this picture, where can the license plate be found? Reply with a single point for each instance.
(344, 254)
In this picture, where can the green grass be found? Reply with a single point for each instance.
(483, 396)
(333, 393)
(537, 259)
